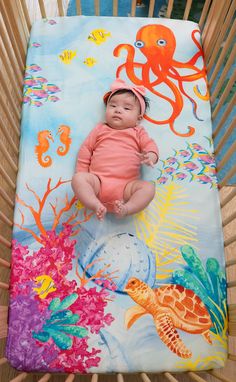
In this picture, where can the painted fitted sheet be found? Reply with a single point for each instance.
(143, 293)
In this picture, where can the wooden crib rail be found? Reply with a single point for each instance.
(218, 34)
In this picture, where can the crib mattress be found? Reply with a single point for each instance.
(143, 293)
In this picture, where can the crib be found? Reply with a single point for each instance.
(217, 24)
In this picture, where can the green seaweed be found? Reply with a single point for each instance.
(61, 324)
(208, 282)
(194, 262)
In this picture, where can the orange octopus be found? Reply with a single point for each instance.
(158, 43)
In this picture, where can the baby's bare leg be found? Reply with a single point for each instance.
(137, 195)
(86, 187)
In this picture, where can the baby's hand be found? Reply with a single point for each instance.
(149, 158)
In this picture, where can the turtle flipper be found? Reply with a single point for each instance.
(206, 336)
(132, 314)
(169, 335)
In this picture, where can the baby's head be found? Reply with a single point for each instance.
(126, 105)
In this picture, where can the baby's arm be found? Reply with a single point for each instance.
(86, 152)
(149, 151)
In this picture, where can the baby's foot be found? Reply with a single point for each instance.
(120, 208)
(100, 212)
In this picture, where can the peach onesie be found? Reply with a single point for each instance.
(111, 154)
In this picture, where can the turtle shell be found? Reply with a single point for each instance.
(185, 307)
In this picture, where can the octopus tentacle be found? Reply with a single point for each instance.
(204, 97)
(194, 105)
(129, 64)
(190, 77)
(200, 50)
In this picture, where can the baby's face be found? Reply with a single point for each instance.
(123, 111)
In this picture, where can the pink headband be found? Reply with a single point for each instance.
(119, 84)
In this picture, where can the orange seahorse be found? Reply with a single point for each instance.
(42, 147)
(65, 138)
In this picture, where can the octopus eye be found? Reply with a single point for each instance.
(161, 42)
(139, 44)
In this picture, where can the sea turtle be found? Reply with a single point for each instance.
(172, 307)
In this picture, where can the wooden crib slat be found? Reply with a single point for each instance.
(19, 378)
(229, 263)
(7, 178)
(6, 198)
(115, 7)
(169, 8)
(220, 376)
(228, 43)
(229, 219)
(222, 78)
(3, 360)
(26, 14)
(195, 377)
(231, 284)
(14, 44)
(223, 33)
(226, 135)
(5, 242)
(9, 116)
(211, 24)
(97, 7)
(204, 13)
(224, 116)
(215, 27)
(42, 9)
(12, 68)
(70, 378)
(120, 377)
(4, 285)
(60, 8)
(144, 377)
(170, 377)
(17, 36)
(227, 156)
(224, 95)
(228, 198)
(133, 8)
(230, 241)
(78, 7)
(3, 262)
(15, 106)
(7, 156)
(6, 134)
(6, 220)
(151, 8)
(3, 321)
(187, 9)
(227, 177)
(22, 26)
(45, 378)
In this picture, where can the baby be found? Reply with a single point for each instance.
(109, 160)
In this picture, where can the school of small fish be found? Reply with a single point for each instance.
(192, 163)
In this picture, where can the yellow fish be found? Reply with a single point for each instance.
(46, 286)
(90, 61)
(67, 56)
(98, 36)
(79, 205)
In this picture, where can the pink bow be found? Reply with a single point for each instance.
(119, 84)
